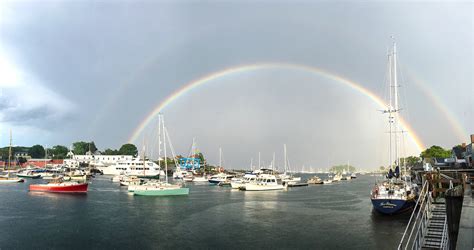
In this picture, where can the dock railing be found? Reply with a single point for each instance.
(444, 237)
(418, 222)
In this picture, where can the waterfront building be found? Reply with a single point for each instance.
(93, 159)
(43, 162)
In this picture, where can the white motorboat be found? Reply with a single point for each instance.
(265, 182)
(137, 167)
(200, 179)
(315, 180)
(238, 183)
(221, 177)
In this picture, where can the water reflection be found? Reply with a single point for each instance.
(58, 196)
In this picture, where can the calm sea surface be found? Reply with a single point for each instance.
(335, 216)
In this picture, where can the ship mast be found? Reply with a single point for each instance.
(220, 160)
(286, 160)
(164, 147)
(9, 155)
(397, 109)
(393, 108)
(159, 140)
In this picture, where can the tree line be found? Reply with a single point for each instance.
(426, 155)
(61, 151)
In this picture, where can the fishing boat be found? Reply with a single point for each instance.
(60, 186)
(264, 182)
(327, 181)
(315, 180)
(237, 183)
(218, 178)
(393, 195)
(131, 180)
(28, 174)
(7, 178)
(337, 177)
(202, 178)
(188, 178)
(161, 188)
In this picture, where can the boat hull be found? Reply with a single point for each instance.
(215, 181)
(73, 188)
(257, 187)
(162, 192)
(11, 180)
(392, 206)
(35, 176)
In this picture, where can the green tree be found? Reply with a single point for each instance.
(411, 160)
(110, 152)
(435, 152)
(81, 148)
(128, 149)
(58, 152)
(341, 168)
(36, 152)
(22, 160)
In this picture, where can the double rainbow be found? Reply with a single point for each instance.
(254, 67)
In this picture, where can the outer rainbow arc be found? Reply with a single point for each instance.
(252, 67)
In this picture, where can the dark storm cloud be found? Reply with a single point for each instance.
(104, 65)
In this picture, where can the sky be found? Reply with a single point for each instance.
(94, 70)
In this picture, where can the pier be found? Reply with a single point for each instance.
(445, 215)
(466, 226)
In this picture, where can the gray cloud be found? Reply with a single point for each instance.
(104, 65)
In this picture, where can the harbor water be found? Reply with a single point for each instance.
(332, 216)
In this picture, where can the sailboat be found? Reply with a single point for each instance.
(286, 177)
(220, 177)
(6, 178)
(161, 188)
(190, 175)
(393, 195)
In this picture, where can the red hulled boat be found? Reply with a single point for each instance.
(61, 187)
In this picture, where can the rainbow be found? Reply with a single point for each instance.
(259, 66)
(459, 130)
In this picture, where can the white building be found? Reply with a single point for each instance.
(98, 160)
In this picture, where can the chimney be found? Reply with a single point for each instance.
(472, 138)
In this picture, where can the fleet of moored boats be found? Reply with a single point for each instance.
(142, 177)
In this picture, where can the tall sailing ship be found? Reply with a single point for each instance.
(393, 195)
(7, 178)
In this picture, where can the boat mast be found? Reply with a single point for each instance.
(220, 159)
(284, 149)
(390, 109)
(144, 163)
(395, 91)
(159, 140)
(9, 155)
(273, 163)
(259, 160)
(164, 147)
(193, 153)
